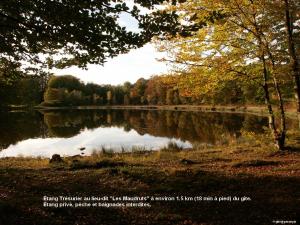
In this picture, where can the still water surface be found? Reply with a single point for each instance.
(66, 132)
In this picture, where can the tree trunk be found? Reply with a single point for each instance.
(292, 52)
(279, 137)
(282, 133)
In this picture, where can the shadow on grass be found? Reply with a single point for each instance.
(255, 163)
(272, 197)
(292, 148)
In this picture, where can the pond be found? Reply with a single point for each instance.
(73, 132)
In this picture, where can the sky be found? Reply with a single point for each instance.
(127, 67)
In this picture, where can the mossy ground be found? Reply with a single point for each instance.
(271, 179)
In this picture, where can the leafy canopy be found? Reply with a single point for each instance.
(61, 33)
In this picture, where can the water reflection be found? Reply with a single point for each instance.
(64, 132)
(92, 140)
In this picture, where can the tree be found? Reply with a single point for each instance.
(126, 90)
(67, 81)
(64, 90)
(86, 30)
(79, 32)
(292, 16)
(137, 91)
(9, 72)
(109, 97)
(176, 98)
(240, 46)
(169, 97)
(150, 91)
(55, 96)
(26, 91)
(155, 90)
(57, 33)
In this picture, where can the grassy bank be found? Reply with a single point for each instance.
(270, 179)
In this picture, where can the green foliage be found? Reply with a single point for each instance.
(170, 90)
(9, 71)
(48, 34)
(87, 31)
(27, 91)
(69, 82)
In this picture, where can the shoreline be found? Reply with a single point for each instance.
(259, 110)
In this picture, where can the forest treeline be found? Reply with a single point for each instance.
(27, 91)
(158, 90)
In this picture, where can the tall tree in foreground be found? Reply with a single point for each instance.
(292, 25)
(63, 33)
(240, 46)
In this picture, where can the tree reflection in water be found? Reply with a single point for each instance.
(195, 127)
